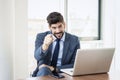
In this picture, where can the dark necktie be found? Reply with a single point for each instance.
(55, 54)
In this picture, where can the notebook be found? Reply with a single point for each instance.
(91, 61)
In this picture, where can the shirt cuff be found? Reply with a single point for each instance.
(43, 50)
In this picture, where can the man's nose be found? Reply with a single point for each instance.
(57, 30)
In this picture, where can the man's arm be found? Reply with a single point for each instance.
(41, 46)
(38, 47)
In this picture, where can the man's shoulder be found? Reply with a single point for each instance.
(72, 36)
(73, 40)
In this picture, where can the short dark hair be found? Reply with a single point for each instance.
(54, 17)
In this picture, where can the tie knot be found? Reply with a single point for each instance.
(57, 40)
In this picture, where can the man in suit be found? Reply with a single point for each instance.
(45, 47)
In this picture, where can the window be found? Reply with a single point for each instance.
(81, 16)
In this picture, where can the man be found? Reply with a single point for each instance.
(55, 49)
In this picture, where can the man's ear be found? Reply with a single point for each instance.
(49, 27)
(65, 24)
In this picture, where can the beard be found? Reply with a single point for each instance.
(59, 34)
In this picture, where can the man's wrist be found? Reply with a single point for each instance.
(55, 69)
(44, 47)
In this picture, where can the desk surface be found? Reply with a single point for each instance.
(107, 76)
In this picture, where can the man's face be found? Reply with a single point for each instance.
(57, 29)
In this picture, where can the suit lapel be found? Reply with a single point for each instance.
(66, 46)
(50, 47)
(50, 50)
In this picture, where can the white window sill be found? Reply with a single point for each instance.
(91, 44)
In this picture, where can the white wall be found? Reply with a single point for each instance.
(108, 23)
(13, 39)
(117, 15)
(20, 37)
(5, 49)
(111, 28)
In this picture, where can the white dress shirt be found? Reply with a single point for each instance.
(60, 50)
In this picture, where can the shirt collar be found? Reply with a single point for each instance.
(63, 37)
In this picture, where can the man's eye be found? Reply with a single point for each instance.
(60, 26)
(54, 28)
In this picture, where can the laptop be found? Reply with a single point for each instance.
(91, 61)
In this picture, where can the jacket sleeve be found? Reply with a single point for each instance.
(39, 53)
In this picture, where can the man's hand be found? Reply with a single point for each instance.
(44, 65)
(47, 41)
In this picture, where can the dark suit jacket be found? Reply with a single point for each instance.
(71, 45)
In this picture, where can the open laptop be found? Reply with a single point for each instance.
(91, 61)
